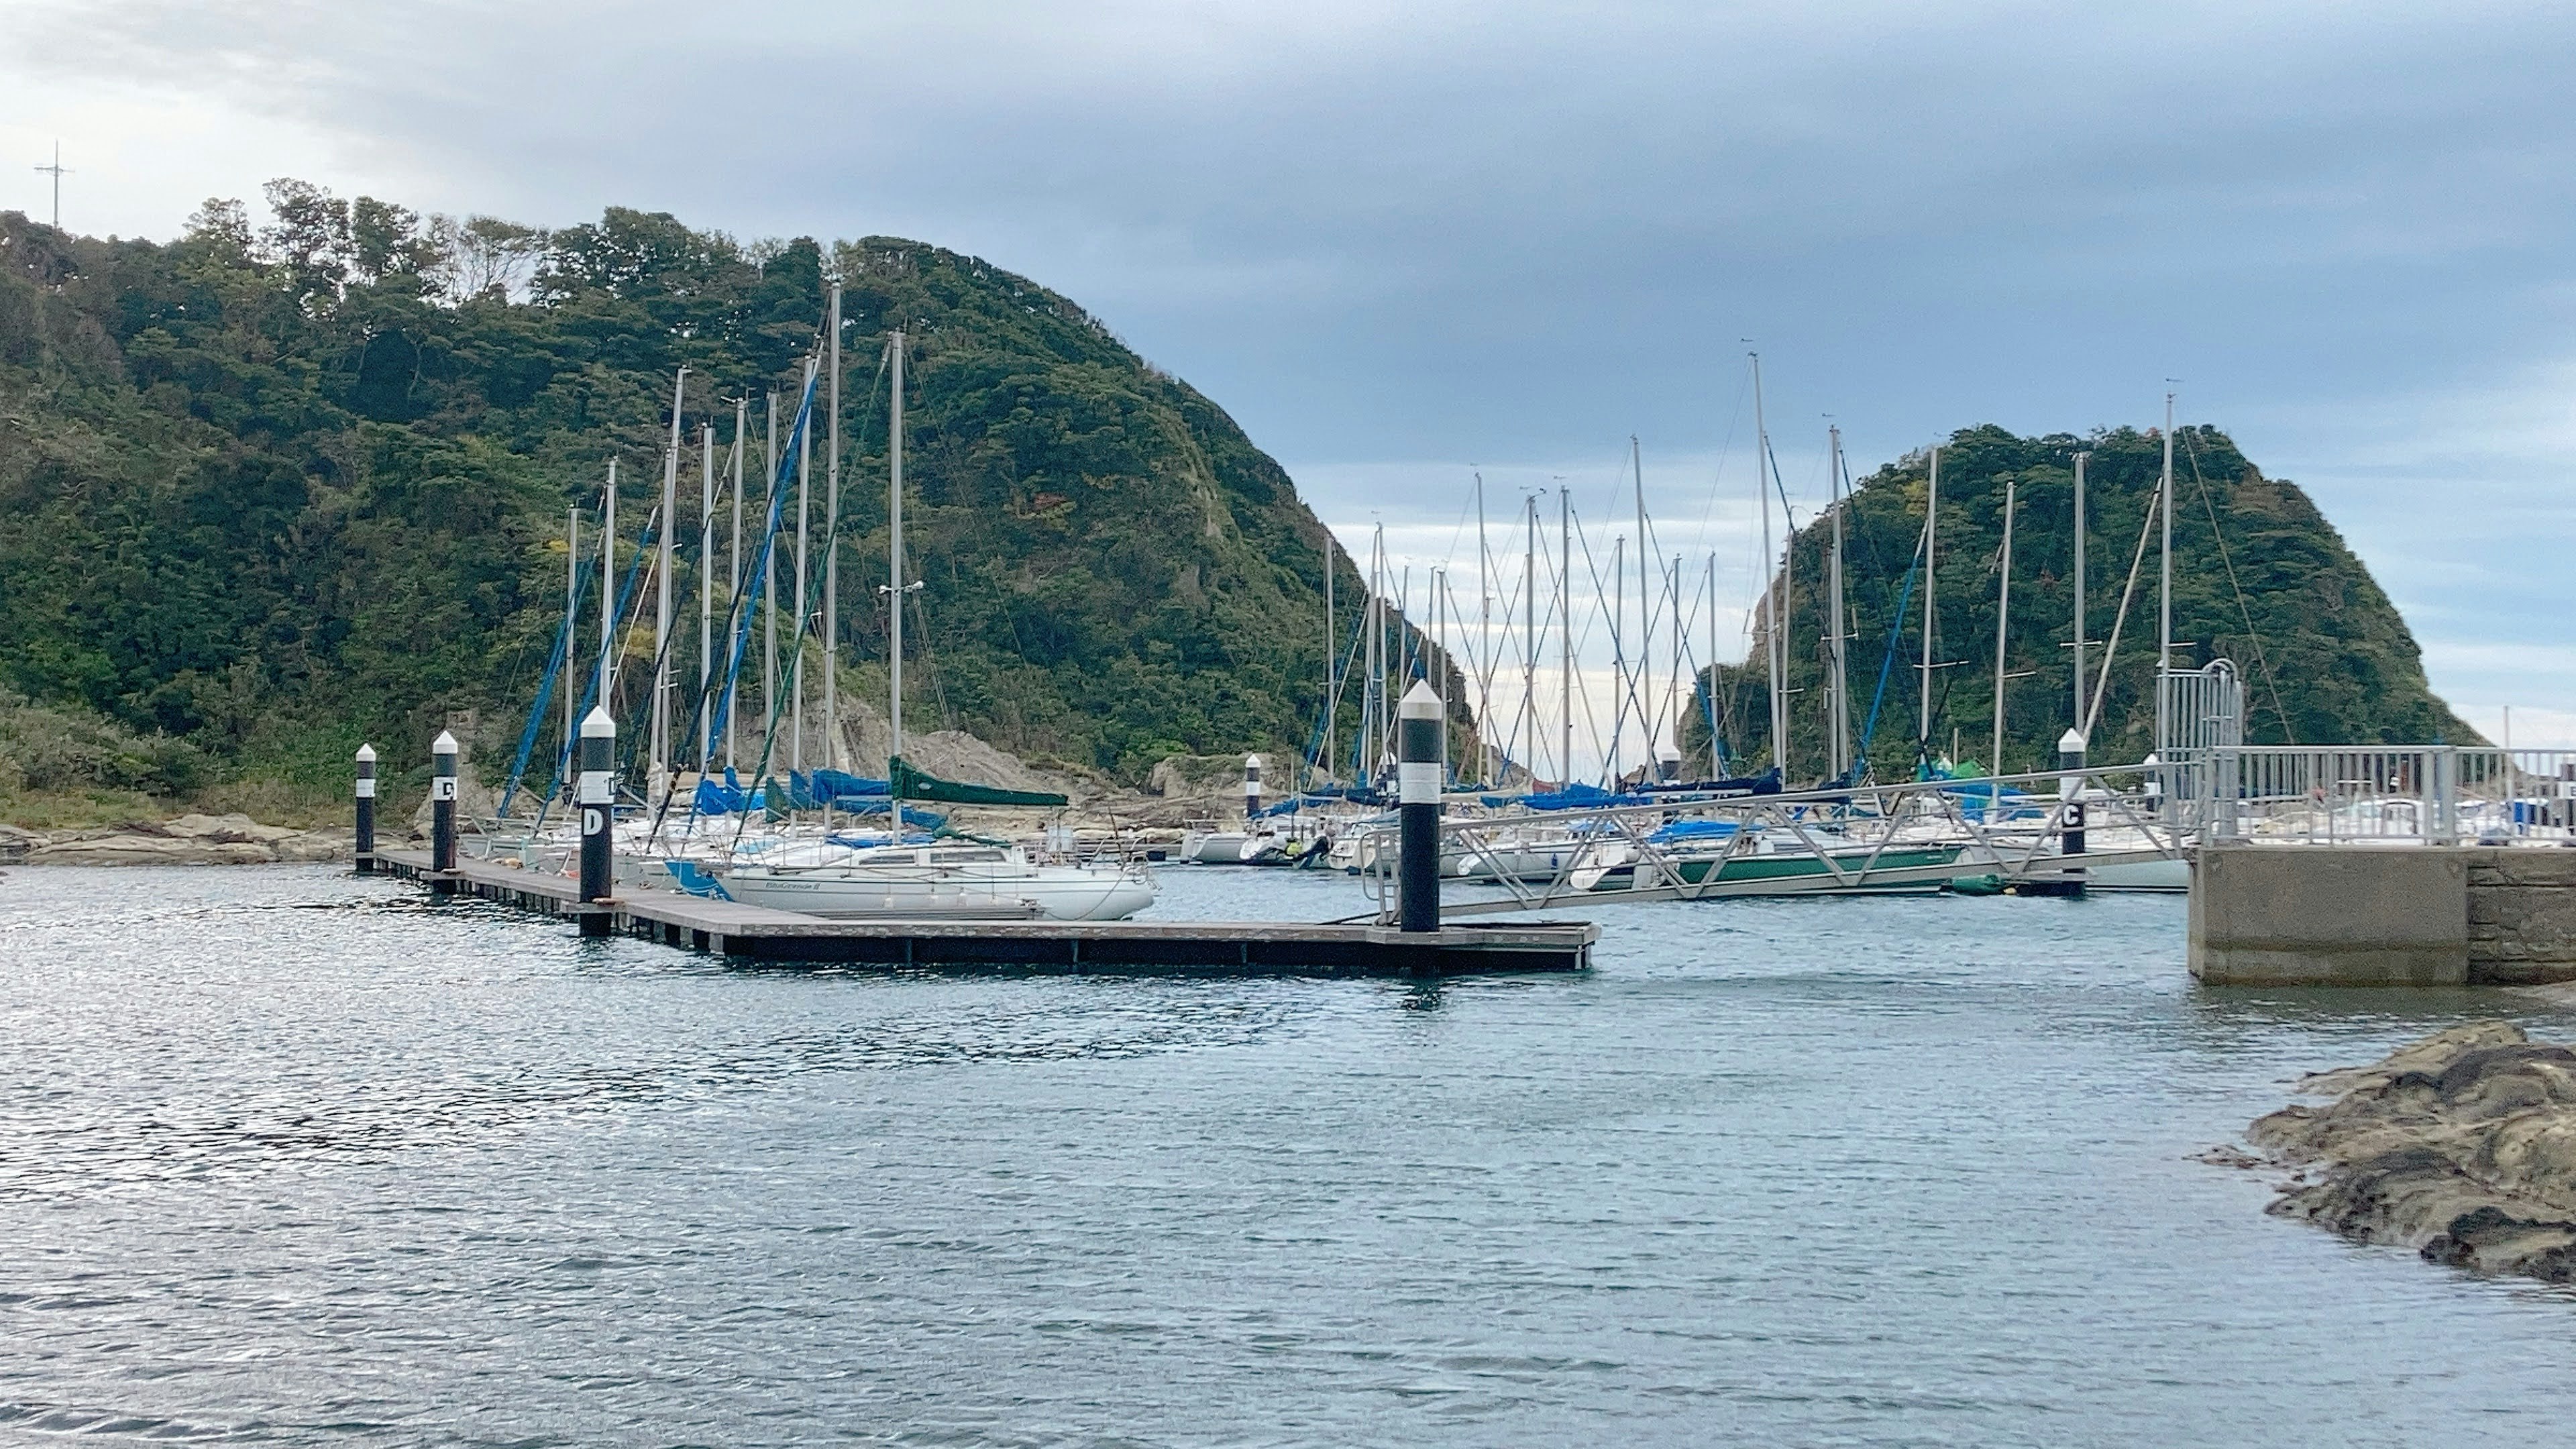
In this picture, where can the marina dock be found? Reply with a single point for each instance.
(1180, 948)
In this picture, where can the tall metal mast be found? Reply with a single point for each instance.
(2079, 589)
(572, 592)
(1931, 538)
(769, 576)
(2003, 624)
(796, 636)
(1332, 667)
(733, 556)
(1840, 655)
(1645, 674)
(659, 774)
(1775, 633)
(894, 565)
(2164, 606)
(832, 559)
(706, 588)
(1714, 762)
(1565, 625)
(607, 588)
(1527, 733)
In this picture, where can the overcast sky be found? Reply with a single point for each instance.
(1400, 243)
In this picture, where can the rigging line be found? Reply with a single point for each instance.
(1717, 477)
(2102, 681)
(1895, 644)
(2288, 735)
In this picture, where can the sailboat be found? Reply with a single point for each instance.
(841, 878)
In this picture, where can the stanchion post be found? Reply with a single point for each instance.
(1418, 768)
(442, 802)
(593, 795)
(364, 852)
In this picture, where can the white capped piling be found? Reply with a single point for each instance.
(442, 802)
(1418, 770)
(365, 850)
(598, 749)
(1252, 787)
(2070, 756)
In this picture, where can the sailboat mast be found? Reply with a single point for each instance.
(1332, 684)
(607, 588)
(1775, 653)
(2003, 625)
(1529, 669)
(572, 596)
(659, 775)
(1565, 627)
(769, 577)
(706, 588)
(832, 555)
(1484, 641)
(1619, 651)
(1437, 658)
(1842, 754)
(2164, 605)
(1673, 661)
(894, 569)
(733, 559)
(1931, 540)
(1645, 675)
(1715, 762)
(2079, 589)
(796, 637)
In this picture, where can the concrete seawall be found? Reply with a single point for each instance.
(2287, 915)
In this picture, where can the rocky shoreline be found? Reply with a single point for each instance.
(2461, 1146)
(185, 840)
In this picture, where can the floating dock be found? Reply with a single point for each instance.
(1175, 948)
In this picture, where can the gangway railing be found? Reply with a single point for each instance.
(2388, 795)
(1915, 833)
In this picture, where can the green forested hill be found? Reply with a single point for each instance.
(2260, 578)
(268, 490)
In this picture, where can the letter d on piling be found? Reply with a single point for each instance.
(365, 849)
(442, 802)
(598, 813)
(1418, 768)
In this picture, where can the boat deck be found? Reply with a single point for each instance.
(1190, 948)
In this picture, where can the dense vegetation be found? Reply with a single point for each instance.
(2260, 578)
(266, 491)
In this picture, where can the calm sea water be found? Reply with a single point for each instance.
(291, 1157)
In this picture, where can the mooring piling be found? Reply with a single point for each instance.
(1252, 787)
(1418, 769)
(598, 751)
(2070, 756)
(442, 802)
(364, 851)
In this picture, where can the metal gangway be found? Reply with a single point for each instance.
(2004, 832)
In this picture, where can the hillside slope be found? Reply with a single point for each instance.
(267, 491)
(2260, 578)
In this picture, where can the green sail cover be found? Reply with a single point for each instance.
(911, 784)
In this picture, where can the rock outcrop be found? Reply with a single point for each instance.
(187, 840)
(2461, 1146)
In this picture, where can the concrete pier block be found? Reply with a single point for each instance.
(2330, 916)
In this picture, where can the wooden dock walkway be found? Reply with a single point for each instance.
(1187, 948)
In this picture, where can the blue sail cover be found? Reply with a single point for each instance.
(838, 785)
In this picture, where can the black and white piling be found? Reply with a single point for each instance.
(2070, 756)
(1418, 768)
(442, 802)
(1252, 787)
(365, 850)
(593, 795)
